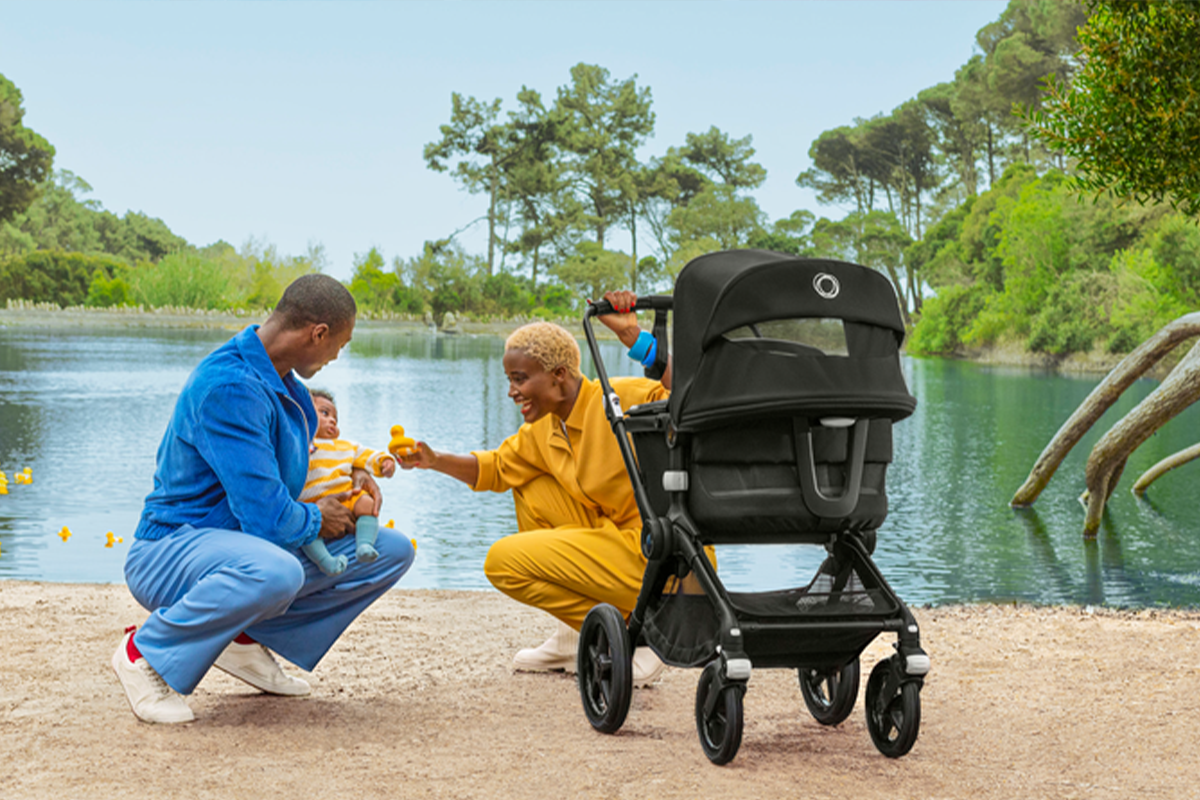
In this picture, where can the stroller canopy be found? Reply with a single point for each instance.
(719, 373)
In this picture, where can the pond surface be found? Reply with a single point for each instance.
(85, 410)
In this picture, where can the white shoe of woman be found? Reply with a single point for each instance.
(557, 652)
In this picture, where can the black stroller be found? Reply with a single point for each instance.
(786, 381)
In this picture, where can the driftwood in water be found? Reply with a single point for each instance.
(1163, 467)
(1107, 460)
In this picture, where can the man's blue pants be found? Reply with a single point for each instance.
(204, 586)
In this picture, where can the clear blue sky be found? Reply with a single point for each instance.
(305, 122)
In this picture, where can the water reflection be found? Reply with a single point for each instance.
(86, 410)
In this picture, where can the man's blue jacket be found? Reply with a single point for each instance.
(235, 454)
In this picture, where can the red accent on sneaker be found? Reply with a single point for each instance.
(132, 651)
(242, 638)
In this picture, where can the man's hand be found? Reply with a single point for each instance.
(336, 519)
(364, 481)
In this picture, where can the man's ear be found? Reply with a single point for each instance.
(318, 332)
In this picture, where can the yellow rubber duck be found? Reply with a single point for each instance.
(112, 539)
(400, 445)
(65, 533)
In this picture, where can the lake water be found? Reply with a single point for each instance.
(85, 410)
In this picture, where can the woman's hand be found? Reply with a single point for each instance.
(624, 323)
(420, 456)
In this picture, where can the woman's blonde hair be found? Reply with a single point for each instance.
(550, 345)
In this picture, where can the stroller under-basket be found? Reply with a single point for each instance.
(786, 381)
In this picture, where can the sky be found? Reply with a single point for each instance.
(304, 123)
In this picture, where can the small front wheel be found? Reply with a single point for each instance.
(605, 668)
(718, 715)
(830, 694)
(894, 720)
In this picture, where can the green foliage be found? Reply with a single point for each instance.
(591, 271)
(1031, 263)
(1131, 116)
(60, 220)
(25, 157)
(945, 317)
(186, 280)
(54, 276)
(717, 213)
(106, 291)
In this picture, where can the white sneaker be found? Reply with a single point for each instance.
(255, 665)
(557, 652)
(646, 667)
(151, 699)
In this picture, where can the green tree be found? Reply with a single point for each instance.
(603, 122)
(591, 271)
(25, 157)
(1131, 115)
(474, 134)
(717, 155)
(720, 214)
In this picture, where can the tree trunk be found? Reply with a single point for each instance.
(991, 148)
(633, 270)
(1132, 367)
(1104, 465)
(1163, 467)
(493, 191)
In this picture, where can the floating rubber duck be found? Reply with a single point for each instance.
(25, 477)
(65, 533)
(112, 539)
(414, 544)
(400, 445)
(391, 523)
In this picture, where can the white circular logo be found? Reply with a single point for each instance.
(826, 285)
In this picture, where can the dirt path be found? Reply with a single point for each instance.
(418, 700)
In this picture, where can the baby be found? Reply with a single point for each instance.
(329, 472)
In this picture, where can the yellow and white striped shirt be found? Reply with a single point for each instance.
(330, 463)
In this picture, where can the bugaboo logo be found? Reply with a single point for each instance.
(826, 285)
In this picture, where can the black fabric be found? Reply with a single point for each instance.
(744, 485)
(720, 292)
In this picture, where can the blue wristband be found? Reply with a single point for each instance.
(645, 344)
(648, 361)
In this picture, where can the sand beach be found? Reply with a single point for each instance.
(418, 700)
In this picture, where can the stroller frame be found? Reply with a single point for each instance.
(749, 630)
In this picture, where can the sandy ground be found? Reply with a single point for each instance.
(418, 700)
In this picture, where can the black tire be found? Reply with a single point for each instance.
(605, 668)
(894, 724)
(721, 731)
(830, 694)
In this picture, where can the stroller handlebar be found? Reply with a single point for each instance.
(649, 302)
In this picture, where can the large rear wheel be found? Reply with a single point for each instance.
(604, 665)
(830, 694)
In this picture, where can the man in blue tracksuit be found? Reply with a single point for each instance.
(216, 557)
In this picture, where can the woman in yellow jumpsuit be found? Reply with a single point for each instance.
(578, 540)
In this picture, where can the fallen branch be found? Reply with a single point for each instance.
(1163, 467)
(1107, 460)
(1132, 367)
